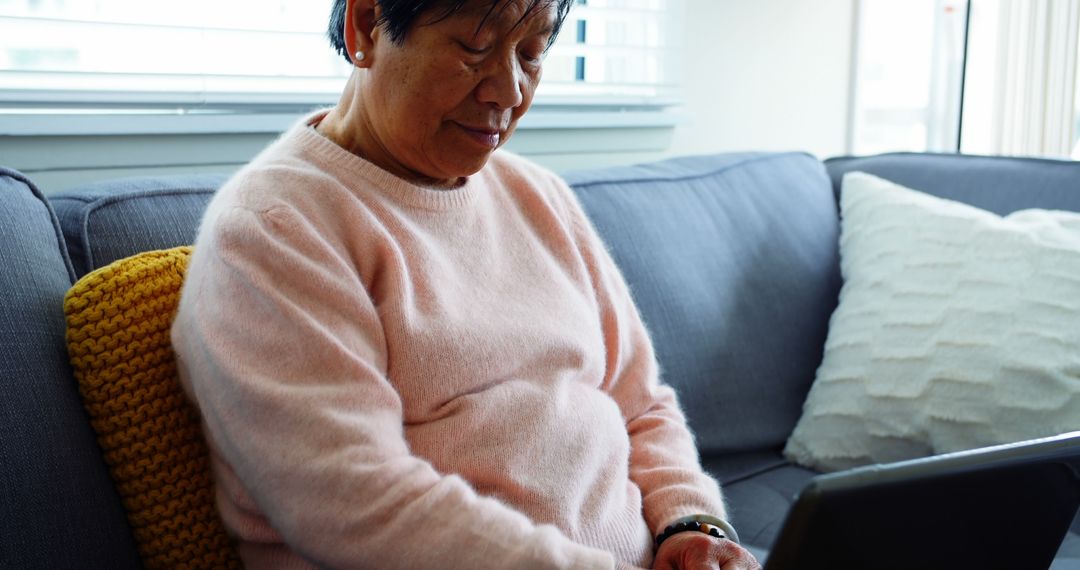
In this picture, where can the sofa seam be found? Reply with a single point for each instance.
(57, 231)
(73, 198)
(1034, 159)
(757, 472)
(106, 201)
(711, 172)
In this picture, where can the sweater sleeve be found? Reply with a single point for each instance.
(282, 349)
(664, 460)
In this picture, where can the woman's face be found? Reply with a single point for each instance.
(441, 102)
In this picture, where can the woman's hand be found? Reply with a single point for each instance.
(699, 551)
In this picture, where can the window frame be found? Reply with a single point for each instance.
(51, 112)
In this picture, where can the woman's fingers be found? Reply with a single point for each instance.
(699, 551)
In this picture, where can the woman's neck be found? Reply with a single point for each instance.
(343, 125)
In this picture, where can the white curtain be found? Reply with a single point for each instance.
(1036, 77)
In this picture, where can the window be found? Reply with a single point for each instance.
(1076, 107)
(909, 72)
(1076, 121)
(616, 51)
(200, 58)
(1021, 78)
(150, 53)
(976, 76)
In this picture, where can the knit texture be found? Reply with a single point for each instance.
(956, 329)
(393, 376)
(118, 339)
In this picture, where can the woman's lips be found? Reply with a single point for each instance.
(482, 135)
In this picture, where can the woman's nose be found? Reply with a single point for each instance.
(503, 85)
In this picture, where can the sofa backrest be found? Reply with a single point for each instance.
(58, 507)
(998, 184)
(111, 220)
(732, 261)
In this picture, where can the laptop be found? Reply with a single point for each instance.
(1007, 506)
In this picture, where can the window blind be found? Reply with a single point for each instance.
(272, 55)
(152, 53)
(616, 51)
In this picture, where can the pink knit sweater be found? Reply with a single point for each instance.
(398, 377)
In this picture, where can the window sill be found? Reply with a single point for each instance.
(54, 122)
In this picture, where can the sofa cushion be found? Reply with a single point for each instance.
(956, 329)
(732, 261)
(119, 319)
(111, 220)
(58, 508)
(997, 184)
(759, 497)
(1068, 555)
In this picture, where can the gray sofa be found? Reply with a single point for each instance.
(732, 258)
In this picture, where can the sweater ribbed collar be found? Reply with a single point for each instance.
(361, 174)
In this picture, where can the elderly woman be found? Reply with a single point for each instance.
(411, 350)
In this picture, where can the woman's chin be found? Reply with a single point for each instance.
(465, 166)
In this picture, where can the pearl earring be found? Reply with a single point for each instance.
(360, 55)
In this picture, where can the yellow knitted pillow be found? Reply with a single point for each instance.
(118, 320)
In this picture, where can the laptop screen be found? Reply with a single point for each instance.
(1001, 507)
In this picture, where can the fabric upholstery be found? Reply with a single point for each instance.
(1068, 556)
(989, 183)
(758, 500)
(58, 508)
(66, 514)
(119, 319)
(111, 220)
(732, 261)
(997, 184)
(956, 329)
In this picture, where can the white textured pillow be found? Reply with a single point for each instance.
(956, 328)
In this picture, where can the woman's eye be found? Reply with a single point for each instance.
(532, 56)
(472, 49)
(533, 50)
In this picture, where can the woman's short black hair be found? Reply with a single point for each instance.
(398, 17)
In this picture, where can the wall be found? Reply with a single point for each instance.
(766, 75)
(758, 75)
(56, 163)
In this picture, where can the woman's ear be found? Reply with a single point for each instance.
(360, 19)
